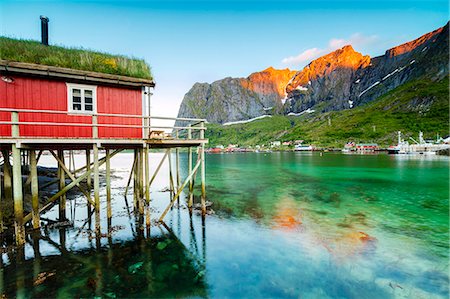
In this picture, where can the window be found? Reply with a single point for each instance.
(82, 98)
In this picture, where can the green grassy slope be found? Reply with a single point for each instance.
(420, 105)
(81, 59)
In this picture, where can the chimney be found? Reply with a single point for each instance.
(44, 30)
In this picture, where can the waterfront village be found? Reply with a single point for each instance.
(422, 146)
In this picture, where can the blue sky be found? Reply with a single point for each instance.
(203, 41)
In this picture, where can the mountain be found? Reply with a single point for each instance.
(343, 79)
(232, 99)
(419, 105)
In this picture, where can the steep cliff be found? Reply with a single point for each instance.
(345, 79)
(232, 99)
(339, 80)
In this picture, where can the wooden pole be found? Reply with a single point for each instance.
(172, 186)
(62, 184)
(34, 190)
(1, 229)
(67, 188)
(147, 186)
(131, 176)
(135, 181)
(88, 167)
(96, 189)
(191, 185)
(141, 181)
(18, 196)
(108, 186)
(177, 163)
(202, 152)
(158, 168)
(7, 177)
(17, 183)
(73, 178)
(179, 191)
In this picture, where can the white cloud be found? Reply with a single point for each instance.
(305, 56)
(357, 40)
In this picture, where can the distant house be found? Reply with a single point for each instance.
(275, 143)
(287, 143)
(298, 141)
(350, 145)
(367, 147)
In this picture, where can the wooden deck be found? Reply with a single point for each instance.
(83, 143)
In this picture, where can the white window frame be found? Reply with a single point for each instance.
(82, 87)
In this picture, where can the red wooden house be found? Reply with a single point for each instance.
(62, 96)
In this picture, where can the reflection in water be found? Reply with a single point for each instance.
(287, 225)
(159, 266)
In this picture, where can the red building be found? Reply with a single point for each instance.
(65, 96)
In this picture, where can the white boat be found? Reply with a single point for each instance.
(300, 147)
(418, 147)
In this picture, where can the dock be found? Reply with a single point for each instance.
(24, 152)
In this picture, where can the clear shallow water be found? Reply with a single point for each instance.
(286, 225)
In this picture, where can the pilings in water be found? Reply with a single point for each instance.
(12, 186)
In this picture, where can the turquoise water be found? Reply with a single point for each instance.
(286, 225)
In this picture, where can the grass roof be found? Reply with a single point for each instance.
(30, 51)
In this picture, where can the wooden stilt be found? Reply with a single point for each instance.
(1, 223)
(7, 177)
(177, 165)
(34, 190)
(159, 167)
(135, 181)
(62, 184)
(73, 178)
(203, 175)
(131, 176)
(172, 186)
(88, 167)
(18, 196)
(193, 173)
(108, 185)
(191, 185)
(67, 188)
(141, 181)
(147, 186)
(96, 189)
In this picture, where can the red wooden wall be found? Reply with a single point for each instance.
(43, 94)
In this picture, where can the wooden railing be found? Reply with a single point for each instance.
(195, 128)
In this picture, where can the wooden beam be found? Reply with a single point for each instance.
(180, 190)
(147, 186)
(88, 167)
(34, 190)
(62, 183)
(191, 182)
(108, 185)
(203, 173)
(7, 176)
(67, 188)
(96, 189)
(141, 181)
(18, 196)
(172, 185)
(130, 177)
(73, 178)
(158, 168)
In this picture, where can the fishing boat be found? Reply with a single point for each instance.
(300, 147)
(418, 147)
